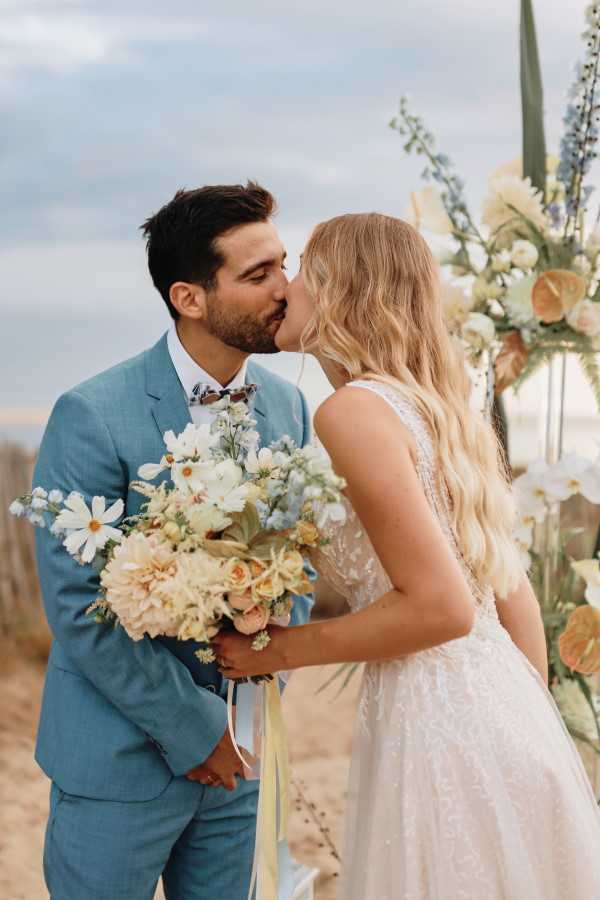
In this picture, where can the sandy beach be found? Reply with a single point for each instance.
(320, 733)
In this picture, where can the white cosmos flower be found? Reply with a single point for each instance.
(87, 528)
(261, 462)
(589, 570)
(531, 491)
(190, 477)
(194, 441)
(224, 487)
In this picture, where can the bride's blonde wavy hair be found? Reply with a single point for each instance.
(378, 315)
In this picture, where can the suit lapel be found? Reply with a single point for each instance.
(170, 408)
(253, 377)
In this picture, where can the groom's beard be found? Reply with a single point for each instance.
(244, 332)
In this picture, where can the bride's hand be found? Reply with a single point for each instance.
(237, 659)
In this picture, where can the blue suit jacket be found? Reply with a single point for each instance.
(120, 718)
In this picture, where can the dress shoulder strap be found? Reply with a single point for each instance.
(406, 411)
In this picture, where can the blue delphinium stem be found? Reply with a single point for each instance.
(439, 169)
(577, 149)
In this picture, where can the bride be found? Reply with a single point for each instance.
(464, 780)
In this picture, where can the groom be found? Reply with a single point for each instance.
(145, 779)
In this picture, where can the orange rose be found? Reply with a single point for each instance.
(254, 619)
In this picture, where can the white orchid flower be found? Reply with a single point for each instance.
(523, 536)
(224, 487)
(262, 463)
(570, 476)
(531, 491)
(87, 528)
(590, 482)
(589, 570)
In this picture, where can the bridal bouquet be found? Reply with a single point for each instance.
(219, 543)
(524, 282)
(571, 613)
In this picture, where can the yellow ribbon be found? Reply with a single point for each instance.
(273, 796)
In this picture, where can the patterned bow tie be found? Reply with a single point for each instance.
(205, 394)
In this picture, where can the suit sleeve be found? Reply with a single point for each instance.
(146, 682)
(303, 604)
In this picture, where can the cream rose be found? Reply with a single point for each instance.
(585, 318)
(172, 532)
(291, 566)
(524, 254)
(307, 533)
(237, 574)
(268, 588)
(256, 567)
(254, 619)
(241, 601)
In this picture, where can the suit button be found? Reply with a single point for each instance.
(211, 688)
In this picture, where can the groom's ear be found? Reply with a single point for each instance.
(188, 299)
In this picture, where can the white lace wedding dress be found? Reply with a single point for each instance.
(465, 784)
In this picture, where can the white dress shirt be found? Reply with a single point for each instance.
(190, 373)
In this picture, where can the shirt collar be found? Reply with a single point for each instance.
(190, 373)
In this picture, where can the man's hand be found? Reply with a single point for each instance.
(221, 767)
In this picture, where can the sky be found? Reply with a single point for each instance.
(110, 107)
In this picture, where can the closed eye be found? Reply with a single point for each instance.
(257, 279)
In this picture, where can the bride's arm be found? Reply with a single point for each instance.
(520, 614)
(430, 602)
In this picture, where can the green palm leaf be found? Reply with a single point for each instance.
(532, 102)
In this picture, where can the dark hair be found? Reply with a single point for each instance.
(181, 237)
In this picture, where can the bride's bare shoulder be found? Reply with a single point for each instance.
(354, 414)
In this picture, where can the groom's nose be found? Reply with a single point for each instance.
(281, 285)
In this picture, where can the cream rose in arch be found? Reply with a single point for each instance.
(456, 304)
(479, 331)
(524, 254)
(585, 318)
